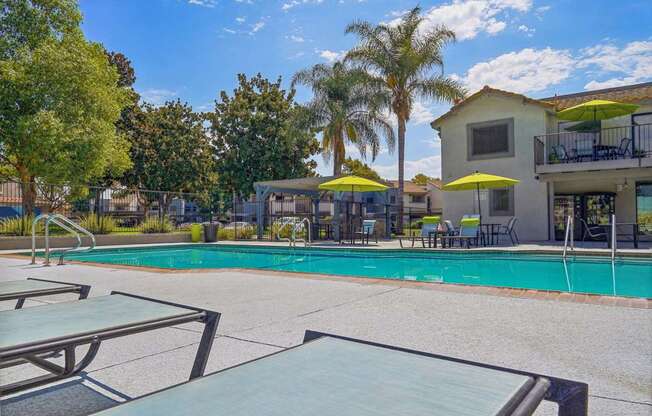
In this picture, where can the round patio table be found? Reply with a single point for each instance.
(490, 231)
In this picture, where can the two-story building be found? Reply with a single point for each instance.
(588, 170)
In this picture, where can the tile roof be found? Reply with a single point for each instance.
(625, 94)
(410, 187)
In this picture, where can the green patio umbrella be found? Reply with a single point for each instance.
(596, 110)
(477, 181)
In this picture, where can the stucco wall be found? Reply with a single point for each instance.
(530, 195)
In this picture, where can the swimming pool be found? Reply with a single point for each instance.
(581, 274)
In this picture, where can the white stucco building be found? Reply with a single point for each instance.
(587, 170)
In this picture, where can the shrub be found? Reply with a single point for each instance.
(153, 225)
(286, 231)
(19, 226)
(98, 224)
(243, 233)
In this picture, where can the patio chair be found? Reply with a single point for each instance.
(624, 150)
(596, 232)
(469, 232)
(32, 335)
(509, 230)
(368, 228)
(430, 225)
(450, 228)
(562, 155)
(20, 290)
(335, 375)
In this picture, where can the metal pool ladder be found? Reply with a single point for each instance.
(68, 225)
(569, 238)
(296, 226)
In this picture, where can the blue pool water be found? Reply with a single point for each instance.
(597, 275)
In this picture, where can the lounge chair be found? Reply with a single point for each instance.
(30, 288)
(624, 150)
(31, 335)
(509, 230)
(430, 225)
(368, 228)
(596, 232)
(334, 375)
(469, 232)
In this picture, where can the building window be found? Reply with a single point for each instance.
(501, 202)
(490, 139)
(419, 199)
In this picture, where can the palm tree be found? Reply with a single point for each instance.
(345, 111)
(399, 59)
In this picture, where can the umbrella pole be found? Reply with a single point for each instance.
(479, 207)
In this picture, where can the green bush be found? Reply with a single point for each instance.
(153, 225)
(243, 233)
(98, 224)
(286, 231)
(19, 226)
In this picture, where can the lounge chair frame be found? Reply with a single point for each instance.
(36, 353)
(571, 396)
(83, 291)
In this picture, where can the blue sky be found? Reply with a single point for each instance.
(193, 49)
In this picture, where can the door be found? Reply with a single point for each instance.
(644, 208)
(563, 207)
(642, 134)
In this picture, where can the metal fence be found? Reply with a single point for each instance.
(100, 210)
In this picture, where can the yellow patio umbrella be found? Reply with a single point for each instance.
(477, 181)
(596, 110)
(352, 184)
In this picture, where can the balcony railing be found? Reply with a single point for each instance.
(613, 143)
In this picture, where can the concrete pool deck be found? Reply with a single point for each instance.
(609, 347)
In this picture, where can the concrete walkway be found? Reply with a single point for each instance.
(606, 346)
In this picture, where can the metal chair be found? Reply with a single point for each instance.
(595, 232)
(624, 149)
(509, 230)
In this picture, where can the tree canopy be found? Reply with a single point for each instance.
(260, 133)
(359, 168)
(345, 111)
(57, 122)
(421, 179)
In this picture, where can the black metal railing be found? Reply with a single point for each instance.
(612, 143)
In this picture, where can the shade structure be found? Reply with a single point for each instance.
(477, 181)
(353, 184)
(596, 110)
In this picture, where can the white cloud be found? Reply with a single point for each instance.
(468, 18)
(622, 66)
(330, 56)
(240, 19)
(157, 96)
(231, 31)
(257, 26)
(296, 38)
(420, 114)
(203, 3)
(529, 31)
(293, 3)
(528, 70)
(430, 165)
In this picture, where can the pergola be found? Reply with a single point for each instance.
(308, 186)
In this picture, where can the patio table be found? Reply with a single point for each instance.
(332, 375)
(634, 227)
(490, 230)
(30, 288)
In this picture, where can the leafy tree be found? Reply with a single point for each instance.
(421, 179)
(59, 99)
(171, 151)
(400, 59)
(259, 133)
(359, 168)
(345, 110)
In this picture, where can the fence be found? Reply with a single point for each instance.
(100, 210)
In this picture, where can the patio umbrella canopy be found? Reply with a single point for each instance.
(477, 181)
(352, 184)
(596, 110)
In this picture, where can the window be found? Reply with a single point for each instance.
(490, 139)
(501, 202)
(419, 199)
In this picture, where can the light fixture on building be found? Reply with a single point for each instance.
(622, 186)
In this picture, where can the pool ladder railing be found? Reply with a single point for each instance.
(68, 225)
(296, 225)
(569, 238)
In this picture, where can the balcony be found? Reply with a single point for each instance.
(609, 148)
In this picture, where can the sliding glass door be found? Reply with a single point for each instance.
(644, 207)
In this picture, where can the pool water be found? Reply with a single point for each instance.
(581, 274)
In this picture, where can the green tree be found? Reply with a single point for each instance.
(400, 59)
(421, 179)
(359, 168)
(259, 133)
(59, 99)
(345, 111)
(171, 151)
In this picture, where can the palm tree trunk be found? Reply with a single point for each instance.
(401, 172)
